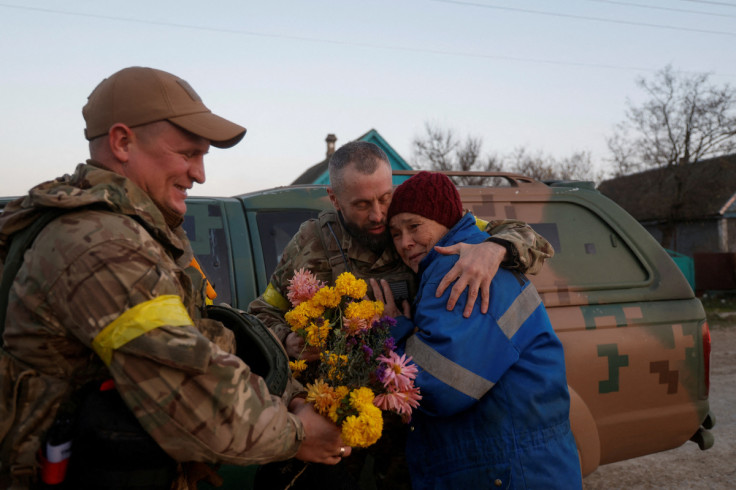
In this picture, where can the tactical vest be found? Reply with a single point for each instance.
(332, 235)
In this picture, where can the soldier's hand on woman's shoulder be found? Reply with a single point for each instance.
(474, 270)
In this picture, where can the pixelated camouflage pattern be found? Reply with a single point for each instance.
(111, 251)
(631, 327)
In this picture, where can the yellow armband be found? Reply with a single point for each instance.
(138, 320)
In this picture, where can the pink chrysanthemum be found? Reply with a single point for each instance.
(400, 402)
(355, 326)
(399, 373)
(302, 287)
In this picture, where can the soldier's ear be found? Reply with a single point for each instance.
(333, 198)
(119, 138)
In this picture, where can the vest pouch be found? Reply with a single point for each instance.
(111, 450)
(256, 345)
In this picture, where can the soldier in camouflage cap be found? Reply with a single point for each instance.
(105, 291)
(353, 237)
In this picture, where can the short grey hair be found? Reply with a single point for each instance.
(364, 155)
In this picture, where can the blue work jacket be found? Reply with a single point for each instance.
(495, 407)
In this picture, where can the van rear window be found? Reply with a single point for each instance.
(589, 253)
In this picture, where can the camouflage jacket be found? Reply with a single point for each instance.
(101, 270)
(324, 247)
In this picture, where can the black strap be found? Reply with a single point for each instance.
(333, 258)
(19, 243)
(339, 246)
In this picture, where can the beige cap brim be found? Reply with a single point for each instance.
(219, 131)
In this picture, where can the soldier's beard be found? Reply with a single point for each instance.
(375, 243)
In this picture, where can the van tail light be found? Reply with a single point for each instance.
(706, 356)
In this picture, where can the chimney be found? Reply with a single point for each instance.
(331, 138)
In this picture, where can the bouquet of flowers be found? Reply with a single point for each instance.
(358, 373)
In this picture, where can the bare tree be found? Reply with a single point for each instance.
(440, 149)
(436, 150)
(577, 166)
(537, 166)
(684, 120)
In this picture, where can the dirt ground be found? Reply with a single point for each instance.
(688, 466)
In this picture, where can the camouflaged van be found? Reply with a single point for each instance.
(637, 346)
(636, 342)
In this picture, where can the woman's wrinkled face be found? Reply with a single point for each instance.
(414, 236)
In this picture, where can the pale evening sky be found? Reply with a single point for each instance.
(551, 76)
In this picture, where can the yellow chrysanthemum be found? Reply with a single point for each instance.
(321, 395)
(348, 285)
(312, 309)
(372, 419)
(297, 366)
(332, 413)
(296, 318)
(360, 397)
(342, 391)
(364, 429)
(317, 335)
(367, 310)
(327, 297)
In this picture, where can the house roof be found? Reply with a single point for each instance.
(312, 173)
(708, 190)
(317, 173)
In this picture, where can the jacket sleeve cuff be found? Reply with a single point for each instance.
(511, 260)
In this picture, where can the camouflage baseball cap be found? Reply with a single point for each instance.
(136, 95)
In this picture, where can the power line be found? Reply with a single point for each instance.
(723, 4)
(584, 17)
(337, 42)
(669, 9)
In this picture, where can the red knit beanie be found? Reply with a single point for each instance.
(432, 195)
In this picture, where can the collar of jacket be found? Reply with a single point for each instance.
(463, 229)
(92, 185)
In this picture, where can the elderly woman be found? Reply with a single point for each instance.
(495, 406)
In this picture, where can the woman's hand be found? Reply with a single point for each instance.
(382, 292)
